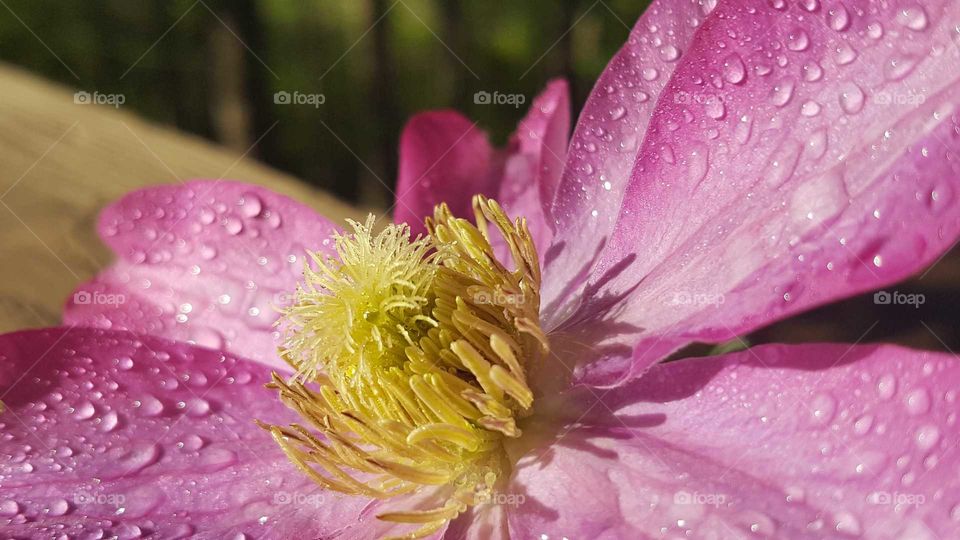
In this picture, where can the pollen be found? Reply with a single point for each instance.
(411, 358)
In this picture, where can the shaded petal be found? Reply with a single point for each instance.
(606, 143)
(111, 433)
(207, 262)
(535, 158)
(817, 441)
(828, 169)
(445, 158)
(484, 522)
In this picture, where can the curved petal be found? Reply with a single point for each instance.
(606, 143)
(207, 262)
(115, 434)
(818, 441)
(534, 162)
(827, 169)
(445, 158)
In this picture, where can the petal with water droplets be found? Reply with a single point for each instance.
(107, 432)
(606, 141)
(208, 262)
(841, 183)
(817, 441)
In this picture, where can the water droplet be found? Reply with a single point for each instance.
(782, 92)
(844, 54)
(863, 424)
(918, 401)
(914, 18)
(839, 18)
(744, 129)
(669, 53)
(250, 205)
(823, 407)
(898, 68)
(875, 30)
(699, 164)
(232, 225)
(58, 508)
(812, 72)
(149, 406)
(887, 386)
(109, 421)
(927, 437)
(733, 69)
(125, 363)
(9, 508)
(852, 98)
(810, 108)
(798, 40)
(847, 523)
(714, 108)
(84, 411)
(191, 443)
(757, 523)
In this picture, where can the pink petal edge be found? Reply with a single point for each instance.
(208, 262)
(444, 157)
(815, 441)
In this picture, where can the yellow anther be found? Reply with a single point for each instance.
(412, 358)
(459, 436)
(422, 516)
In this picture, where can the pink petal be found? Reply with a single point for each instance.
(828, 170)
(207, 263)
(484, 522)
(446, 158)
(114, 434)
(606, 142)
(535, 158)
(818, 441)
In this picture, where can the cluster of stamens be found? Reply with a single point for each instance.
(411, 359)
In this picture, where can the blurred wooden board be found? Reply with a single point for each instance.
(63, 162)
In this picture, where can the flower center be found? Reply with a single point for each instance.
(412, 358)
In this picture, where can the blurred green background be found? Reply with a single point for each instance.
(211, 67)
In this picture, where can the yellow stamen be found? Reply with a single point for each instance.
(412, 358)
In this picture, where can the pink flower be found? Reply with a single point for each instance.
(732, 167)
